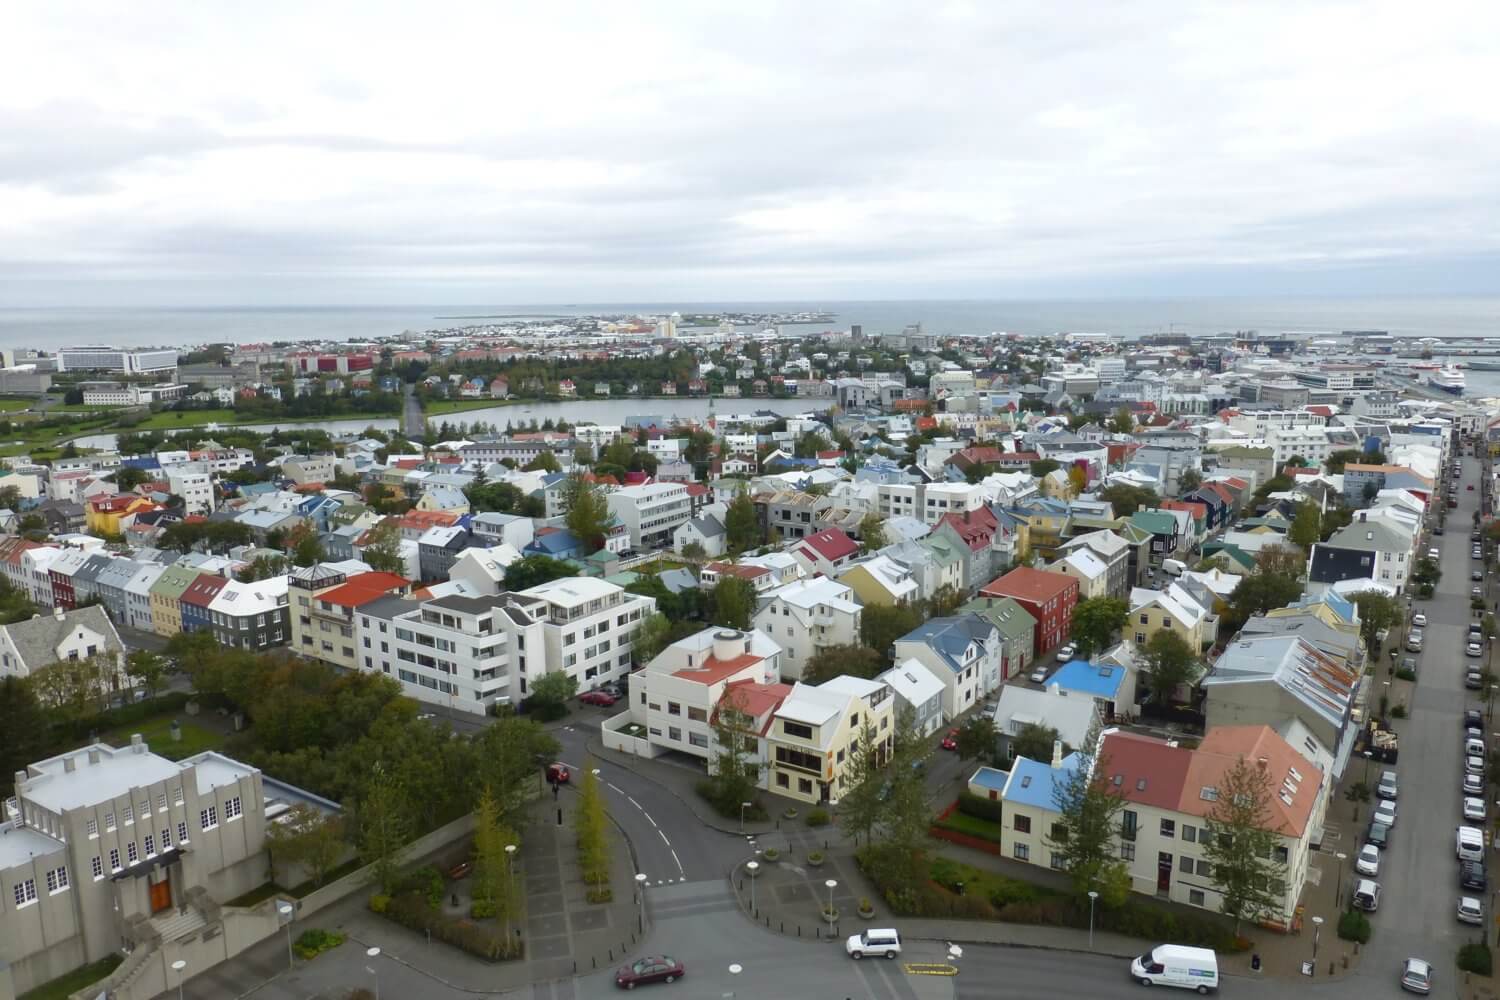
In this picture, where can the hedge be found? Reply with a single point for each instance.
(980, 807)
(1475, 957)
(1354, 926)
(410, 909)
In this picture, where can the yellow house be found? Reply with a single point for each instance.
(103, 514)
(166, 599)
(810, 741)
(1173, 609)
(881, 580)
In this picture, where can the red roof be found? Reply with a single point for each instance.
(364, 588)
(1144, 770)
(715, 670)
(203, 590)
(1193, 508)
(832, 544)
(757, 700)
(424, 519)
(1032, 585)
(1320, 410)
(836, 453)
(697, 489)
(976, 527)
(1220, 491)
(735, 569)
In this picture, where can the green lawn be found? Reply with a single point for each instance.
(64, 986)
(83, 408)
(437, 407)
(974, 826)
(12, 405)
(158, 735)
(169, 419)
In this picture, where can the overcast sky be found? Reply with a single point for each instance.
(167, 153)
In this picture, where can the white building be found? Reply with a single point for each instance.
(807, 616)
(651, 513)
(194, 485)
(95, 358)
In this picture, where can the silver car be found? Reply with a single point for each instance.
(1473, 765)
(1368, 862)
(1416, 976)
(1474, 809)
(1387, 787)
(1470, 910)
(1385, 813)
(1473, 784)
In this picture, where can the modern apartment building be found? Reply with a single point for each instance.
(651, 513)
(114, 359)
(807, 616)
(323, 603)
(102, 848)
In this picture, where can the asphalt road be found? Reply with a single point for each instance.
(1419, 873)
(411, 415)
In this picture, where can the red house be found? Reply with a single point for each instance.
(1047, 597)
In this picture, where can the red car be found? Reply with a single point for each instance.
(950, 742)
(1471, 487)
(653, 969)
(601, 698)
(558, 774)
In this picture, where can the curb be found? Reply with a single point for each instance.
(598, 749)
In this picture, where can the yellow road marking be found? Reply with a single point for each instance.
(930, 969)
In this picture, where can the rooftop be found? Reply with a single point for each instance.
(363, 588)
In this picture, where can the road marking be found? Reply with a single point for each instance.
(630, 797)
(662, 833)
(676, 858)
(930, 969)
(620, 790)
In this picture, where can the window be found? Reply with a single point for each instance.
(782, 781)
(1127, 851)
(161, 802)
(1169, 828)
(1060, 833)
(177, 795)
(1140, 638)
(132, 853)
(98, 868)
(673, 733)
(150, 846)
(697, 715)
(673, 708)
(109, 821)
(1195, 896)
(1185, 864)
(25, 893)
(1055, 861)
(1021, 852)
(1023, 824)
(1127, 824)
(232, 810)
(93, 828)
(57, 880)
(114, 859)
(182, 837)
(208, 818)
(166, 840)
(804, 786)
(796, 729)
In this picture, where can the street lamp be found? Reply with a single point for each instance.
(287, 910)
(640, 889)
(735, 969)
(373, 953)
(1338, 893)
(832, 884)
(510, 884)
(1093, 898)
(753, 867)
(1317, 930)
(743, 807)
(177, 967)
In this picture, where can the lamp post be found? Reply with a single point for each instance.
(287, 910)
(177, 967)
(1317, 931)
(735, 969)
(640, 890)
(373, 953)
(1093, 898)
(1338, 893)
(510, 885)
(743, 807)
(753, 867)
(832, 884)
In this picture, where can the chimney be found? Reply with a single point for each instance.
(57, 612)
(68, 765)
(93, 755)
(20, 778)
(1262, 762)
(1057, 753)
(137, 743)
(728, 644)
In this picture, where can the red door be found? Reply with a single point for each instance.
(161, 895)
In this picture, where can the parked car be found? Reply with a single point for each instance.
(1473, 746)
(1419, 620)
(1471, 876)
(1387, 787)
(1474, 809)
(1368, 862)
(1473, 784)
(1474, 765)
(1474, 649)
(601, 698)
(1470, 910)
(1066, 653)
(1039, 675)
(652, 969)
(1409, 663)
(1385, 813)
(1379, 834)
(1414, 642)
(950, 741)
(1367, 895)
(1416, 976)
(1473, 718)
(1476, 592)
(558, 773)
(1473, 680)
(876, 941)
(1476, 575)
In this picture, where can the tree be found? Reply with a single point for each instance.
(1369, 492)
(880, 625)
(148, 670)
(1335, 462)
(1377, 613)
(128, 477)
(545, 462)
(1078, 480)
(1307, 526)
(1123, 421)
(73, 690)
(1170, 661)
(838, 661)
(510, 751)
(1042, 466)
(1273, 584)
(904, 820)
(382, 549)
(1088, 807)
(24, 730)
(741, 525)
(492, 874)
(1189, 480)
(15, 604)
(384, 826)
(945, 601)
(1243, 847)
(591, 825)
(1034, 742)
(733, 603)
(533, 571)
(1126, 500)
(1095, 622)
(734, 767)
(861, 804)
(871, 533)
(651, 638)
(309, 838)
(586, 511)
(548, 698)
(977, 739)
(263, 568)
(694, 552)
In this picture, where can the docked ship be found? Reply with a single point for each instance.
(1448, 379)
(1483, 364)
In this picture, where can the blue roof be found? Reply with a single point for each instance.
(950, 637)
(1035, 784)
(1101, 680)
(554, 543)
(989, 777)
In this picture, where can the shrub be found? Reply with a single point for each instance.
(815, 857)
(728, 807)
(817, 817)
(979, 807)
(1354, 926)
(379, 903)
(789, 813)
(482, 909)
(865, 906)
(597, 895)
(771, 854)
(1398, 711)
(1475, 957)
(312, 943)
(410, 909)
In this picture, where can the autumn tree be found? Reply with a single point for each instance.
(734, 764)
(382, 548)
(591, 826)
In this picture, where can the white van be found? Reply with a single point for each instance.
(1173, 567)
(1177, 965)
(1470, 843)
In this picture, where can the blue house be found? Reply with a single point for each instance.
(1030, 800)
(556, 544)
(1110, 685)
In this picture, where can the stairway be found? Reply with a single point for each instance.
(178, 924)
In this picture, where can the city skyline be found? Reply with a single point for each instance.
(176, 157)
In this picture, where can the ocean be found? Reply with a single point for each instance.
(137, 327)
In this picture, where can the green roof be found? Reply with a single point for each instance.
(173, 581)
(1230, 550)
(1012, 620)
(1154, 521)
(1245, 451)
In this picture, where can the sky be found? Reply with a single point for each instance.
(367, 153)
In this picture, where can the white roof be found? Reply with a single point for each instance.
(117, 771)
(240, 599)
(1020, 706)
(1085, 562)
(19, 844)
(913, 682)
(213, 770)
(817, 590)
(570, 591)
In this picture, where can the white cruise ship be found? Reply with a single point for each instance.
(1448, 379)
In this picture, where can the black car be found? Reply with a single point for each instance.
(1473, 718)
(1379, 835)
(1471, 875)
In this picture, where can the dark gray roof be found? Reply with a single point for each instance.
(468, 605)
(36, 639)
(387, 607)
